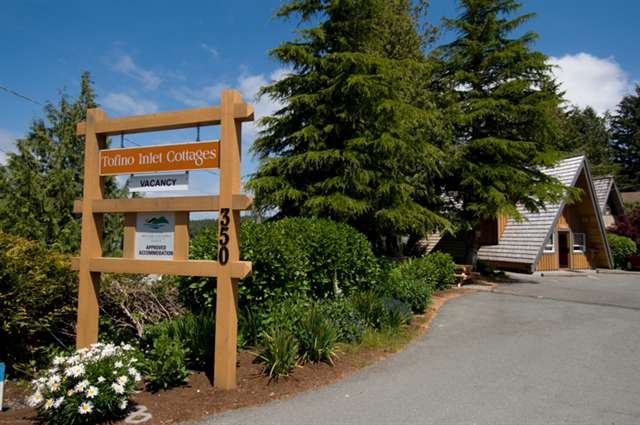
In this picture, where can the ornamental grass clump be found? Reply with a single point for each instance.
(89, 386)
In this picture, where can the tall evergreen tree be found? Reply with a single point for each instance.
(41, 180)
(505, 112)
(359, 137)
(585, 132)
(625, 127)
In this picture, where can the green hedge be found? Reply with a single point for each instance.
(37, 301)
(621, 248)
(291, 257)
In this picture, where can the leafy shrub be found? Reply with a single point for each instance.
(280, 352)
(441, 269)
(407, 284)
(165, 363)
(195, 332)
(249, 327)
(90, 386)
(629, 225)
(291, 257)
(397, 313)
(346, 320)
(37, 301)
(621, 248)
(317, 336)
(370, 308)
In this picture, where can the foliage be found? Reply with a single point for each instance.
(165, 363)
(621, 248)
(408, 286)
(357, 138)
(504, 108)
(440, 268)
(317, 337)
(42, 179)
(345, 318)
(625, 132)
(37, 300)
(280, 353)
(195, 332)
(249, 327)
(132, 301)
(629, 225)
(583, 132)
(291, 258)
(371, 308)
(397, 315)
(90, 386)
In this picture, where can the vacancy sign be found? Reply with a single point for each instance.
(159, 183)
(154, 235)
(149, 159)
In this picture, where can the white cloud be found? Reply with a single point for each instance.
(126, 65)
(588, 80)
(7, 144)
(125, 104)
(265, 105)
(201, 96)
(212, 50)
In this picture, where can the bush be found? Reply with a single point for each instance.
(346, 320)
(165, 363)
(37, 301)
(194, 332)
(249, 328)
(317, 337)
(90, 386)
(407, 284)
(629, 225)
(370, 308)
(280, 352)
(291, 257)
(397, 313)
(440, 269)
(621, 248)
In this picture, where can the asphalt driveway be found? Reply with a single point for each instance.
(552, 350)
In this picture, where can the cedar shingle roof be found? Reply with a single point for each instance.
(522, 241)
(606, 189)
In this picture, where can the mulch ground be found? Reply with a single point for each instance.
(198, 398)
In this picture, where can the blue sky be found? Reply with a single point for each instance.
(156, 56)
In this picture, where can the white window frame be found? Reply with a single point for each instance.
(550, 241)
(579, 247)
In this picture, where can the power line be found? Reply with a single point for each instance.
(22, 96)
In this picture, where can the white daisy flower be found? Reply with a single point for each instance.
(74, 371)
(137, 377)
(85, 408)
(80, 386)
(123, 404)
(58, 360)
(92, 391)
(70, 392)
(36, 399)
(101, 379)
(132, 371)
(58, 402)
(48, 404)
(118, 364)
(127, 347)
(122, 380)
(117, 388)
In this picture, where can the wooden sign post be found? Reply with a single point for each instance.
(224, 154)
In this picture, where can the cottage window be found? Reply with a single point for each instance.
(549, 245)
(579, 242)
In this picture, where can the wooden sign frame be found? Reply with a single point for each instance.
(231, 112)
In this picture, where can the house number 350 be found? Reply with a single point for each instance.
(223, 240)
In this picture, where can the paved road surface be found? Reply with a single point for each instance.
(496, 358)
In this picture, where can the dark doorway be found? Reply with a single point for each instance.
(563, 249)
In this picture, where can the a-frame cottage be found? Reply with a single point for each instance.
(609, 199)
(562, 236)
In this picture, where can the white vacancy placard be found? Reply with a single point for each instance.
(154, 235)
(159, 183)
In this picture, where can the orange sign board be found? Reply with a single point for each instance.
(147, 159)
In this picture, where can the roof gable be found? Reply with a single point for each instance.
(607, 192)
(522, 241)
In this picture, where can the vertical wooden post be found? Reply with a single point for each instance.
(227, 287)
(181, 236)
(129, 244)
(91, 244)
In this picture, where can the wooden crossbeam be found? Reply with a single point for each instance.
(239, 269)
(185, 118)
(178, 203)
